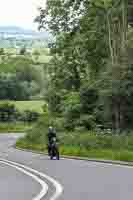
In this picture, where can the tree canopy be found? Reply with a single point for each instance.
(90, 57)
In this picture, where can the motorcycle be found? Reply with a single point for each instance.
(54, 150)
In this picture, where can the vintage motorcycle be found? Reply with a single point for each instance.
(54, 150)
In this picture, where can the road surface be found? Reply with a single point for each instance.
(71, 179)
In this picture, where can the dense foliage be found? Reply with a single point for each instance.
(9, 113)
(90, 78)
(21, 78)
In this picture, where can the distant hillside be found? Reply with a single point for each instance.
(10, 29)
(15, 30)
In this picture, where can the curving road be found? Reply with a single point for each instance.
(23, 184)
(81, 180)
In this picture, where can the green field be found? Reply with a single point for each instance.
(10, 64)
(42, 59)
(28, 105)
(14, 127)
(11, 60)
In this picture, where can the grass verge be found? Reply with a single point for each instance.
(28, 105)
(14, 127)
(22, 143)
(107, 154)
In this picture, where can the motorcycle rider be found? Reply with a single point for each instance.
(51, 135)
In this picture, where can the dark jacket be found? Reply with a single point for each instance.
(51, 135)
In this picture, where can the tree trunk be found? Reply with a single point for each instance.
(117, 33)
(117, 118)
(122, 120)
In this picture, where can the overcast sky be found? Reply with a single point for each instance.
(19, 12)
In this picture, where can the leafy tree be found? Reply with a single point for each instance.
(2, 52)
(80, 46)
(90, 57)
(22, 51)
(36, 54)
(11, 89)
(7, 112)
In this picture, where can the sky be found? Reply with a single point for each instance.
(19, 12)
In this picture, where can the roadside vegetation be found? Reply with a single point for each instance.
(85, 144)
(14, 127)
(85, 77)
(99, 144)
(89, 93)
(19, 116)
(36, 106)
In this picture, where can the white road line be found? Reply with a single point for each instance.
(58, 187)
(44, 190)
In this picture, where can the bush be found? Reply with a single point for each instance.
(58, 122)
(38, 133)
(9, 127)
(87, 121)
(88, 98)
(54, 100)
(72, 110)
(71, 116)
(30, 116)
(7, 112)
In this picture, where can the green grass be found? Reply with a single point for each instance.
(11, 51)
(22, 143)
(86, 144)
(107, 154)
(21, 106)
(42, 59)
(10, 64)
(16, 127)
(28, 105)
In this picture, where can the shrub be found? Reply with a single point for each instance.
(54, 99)
(72, 110)
(87, 121)
(88, 97)
(7, 112)
(27, 116)
(30, 116)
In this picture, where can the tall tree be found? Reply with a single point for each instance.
(91, 46)
(119, 68)
(80, 38)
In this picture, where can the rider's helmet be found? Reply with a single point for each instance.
(54, 139)
(50, 129)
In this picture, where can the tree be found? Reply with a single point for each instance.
(80, 38)
(130, 11)
(11, 89)
(22, 51)
(90, 48)
(2, 52)
(36, 54)
(117, 30)
(7, 112)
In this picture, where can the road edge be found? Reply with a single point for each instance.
(115, 162)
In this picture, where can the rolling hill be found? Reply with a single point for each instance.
(10, 31)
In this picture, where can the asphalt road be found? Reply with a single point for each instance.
(14, 184)
(81, 180)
